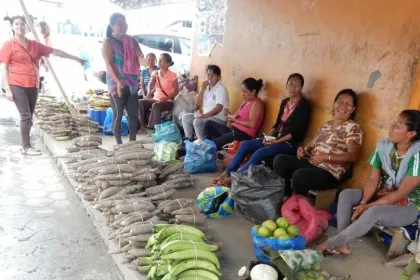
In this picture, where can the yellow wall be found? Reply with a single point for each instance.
(335, 44)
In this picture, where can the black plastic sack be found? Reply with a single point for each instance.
(258, 193)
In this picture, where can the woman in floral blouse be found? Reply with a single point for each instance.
(396, 170)
(324, 161)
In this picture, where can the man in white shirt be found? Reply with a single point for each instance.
(214, 98)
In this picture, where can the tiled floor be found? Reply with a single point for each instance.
(44, 231)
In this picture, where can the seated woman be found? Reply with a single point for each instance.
(166, 83)
(214, 99)
(391, 194)
(289, 130)
(324, 161)
(146, 74)
(245, 122)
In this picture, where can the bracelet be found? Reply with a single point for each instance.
(329, 157)
(362, 202)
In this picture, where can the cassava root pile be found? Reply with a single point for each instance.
(54, 118)
(132, 191)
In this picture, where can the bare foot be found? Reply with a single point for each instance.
(218, 180)
(345, 250)
(322, 247)
(142, 130)
(215, 181)
(226, 181)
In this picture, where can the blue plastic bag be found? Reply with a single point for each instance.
(200, 158)
(167, 131)
(215, 202)
(297, 243)
(108, 124)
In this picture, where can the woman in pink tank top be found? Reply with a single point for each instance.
(245, 122)
(288, 131)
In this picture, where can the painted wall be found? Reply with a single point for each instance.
(370, 46)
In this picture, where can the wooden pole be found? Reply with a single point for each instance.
(73, 111)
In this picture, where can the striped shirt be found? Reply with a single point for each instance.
(147, 77)
(128, 80)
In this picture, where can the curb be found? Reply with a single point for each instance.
(56, 149)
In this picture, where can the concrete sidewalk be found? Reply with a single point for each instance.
(366, 261)
(44, 231)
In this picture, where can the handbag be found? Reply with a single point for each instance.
(231, 151)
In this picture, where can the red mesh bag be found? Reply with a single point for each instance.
(311, 222)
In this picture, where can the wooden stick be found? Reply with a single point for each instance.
(31, 25)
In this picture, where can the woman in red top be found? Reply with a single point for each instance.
(245, 122)
(19, 60)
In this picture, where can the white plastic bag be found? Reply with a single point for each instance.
(263, 272)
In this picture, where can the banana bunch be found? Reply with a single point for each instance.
(178, 252)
